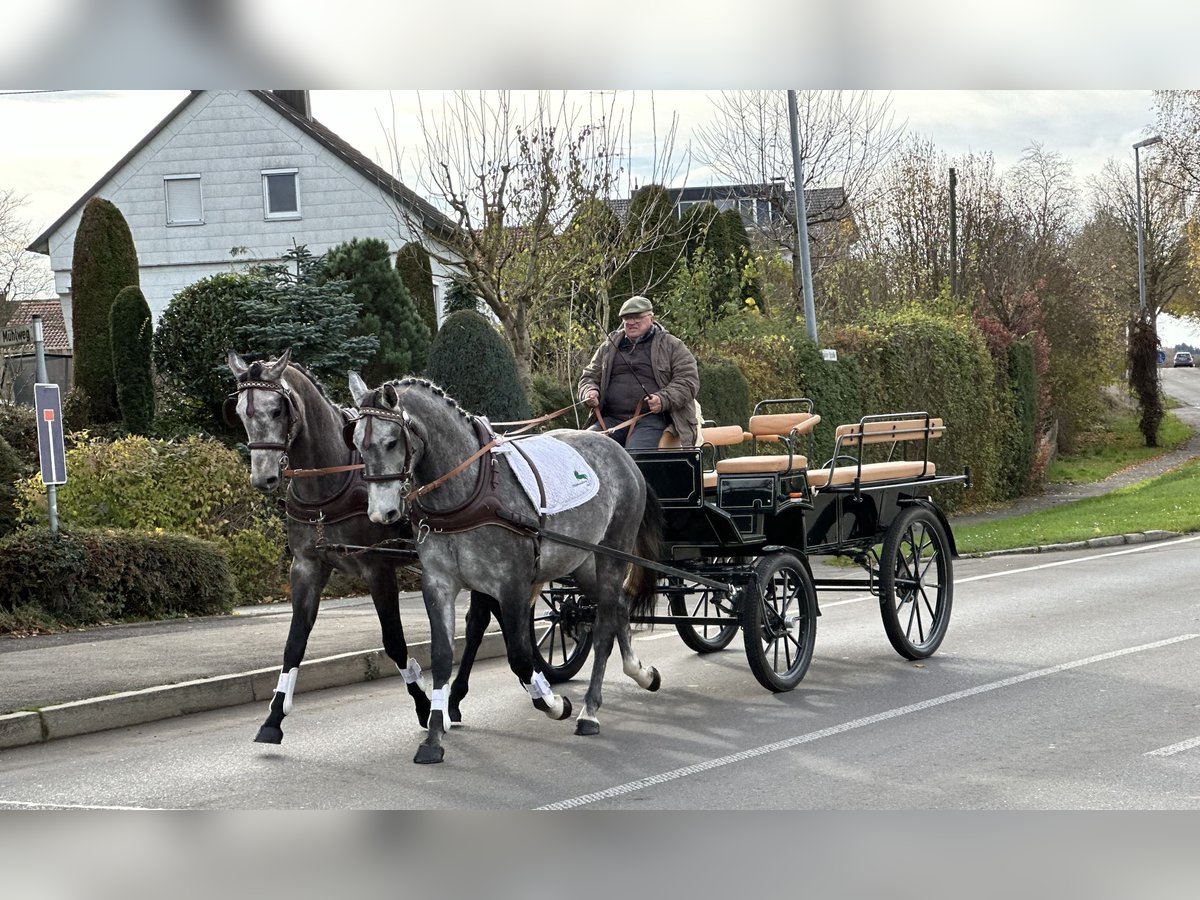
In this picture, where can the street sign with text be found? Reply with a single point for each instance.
(51, 448)
(16, 335)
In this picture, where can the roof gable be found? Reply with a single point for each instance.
(429, 216)
(54, 328)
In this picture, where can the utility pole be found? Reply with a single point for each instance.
(801, 247)
(953, 233)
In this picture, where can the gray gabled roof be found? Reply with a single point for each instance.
(431, 218)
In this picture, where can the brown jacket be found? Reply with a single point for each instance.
(677, 380)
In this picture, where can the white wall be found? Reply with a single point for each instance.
(229, 137)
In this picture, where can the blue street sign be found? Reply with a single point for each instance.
(1162, 357)
(51, 449)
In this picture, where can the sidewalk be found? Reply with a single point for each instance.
(54, 686)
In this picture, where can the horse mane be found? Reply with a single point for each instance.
(372, 399)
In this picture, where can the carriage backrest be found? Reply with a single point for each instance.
(888, 430)
(777, 426)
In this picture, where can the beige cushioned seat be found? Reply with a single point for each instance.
(884, 471)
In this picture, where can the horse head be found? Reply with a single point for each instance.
(387, 439)
(267, 410)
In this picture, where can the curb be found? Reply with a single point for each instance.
(168, 701)
(1115, 540)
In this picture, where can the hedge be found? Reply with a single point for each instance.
(85, 577)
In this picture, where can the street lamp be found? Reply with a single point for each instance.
(1137, 180)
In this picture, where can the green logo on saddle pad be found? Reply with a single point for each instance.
(580, 476)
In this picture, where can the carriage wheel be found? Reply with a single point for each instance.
(559, 629)
(779, 625)
(702, 601)
(916, 583)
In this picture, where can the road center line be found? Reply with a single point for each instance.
(675, 774)
(1175, 748)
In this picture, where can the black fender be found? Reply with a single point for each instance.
(927, 503)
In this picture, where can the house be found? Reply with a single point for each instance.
(18, 368)
(231, 178)
(766, 209)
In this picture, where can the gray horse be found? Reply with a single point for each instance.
(427, 462)
(290, 421)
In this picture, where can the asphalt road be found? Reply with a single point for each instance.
(1067, 681)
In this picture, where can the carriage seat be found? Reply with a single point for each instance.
(878, 432)
(772, 428)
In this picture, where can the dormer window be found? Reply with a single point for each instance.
(281, 193)
(185, 202)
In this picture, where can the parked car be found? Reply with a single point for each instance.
(1183, 358)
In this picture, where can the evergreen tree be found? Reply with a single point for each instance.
(475, 365)
(131, 331)
(387, 308)
(652, 217)
(460, 296)
(412, 262)
(103, 262)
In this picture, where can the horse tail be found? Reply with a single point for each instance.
(642, 583)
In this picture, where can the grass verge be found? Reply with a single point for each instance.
(1113, 445)
(1170, 502)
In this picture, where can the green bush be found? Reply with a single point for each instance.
(388, 311)
(1023, 390)
(132, 333)
(18, 426)
(724, 391)
(91, 576)
(11, 469)
(474, 364)
(412, 262)
(195, 486)
(547, 396)
(836, 391)
(104, 261)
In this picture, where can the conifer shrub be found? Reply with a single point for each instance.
(416, 271)
(87, 576)
(387, 308)
(104, 262)
(548, 395)
(724, 391)
(18, 426)
(11, 469)
(475, 365)
(195, 486)
(132, 334)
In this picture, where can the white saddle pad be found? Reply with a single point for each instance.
(568, 479)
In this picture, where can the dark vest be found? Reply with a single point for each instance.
(632, 377)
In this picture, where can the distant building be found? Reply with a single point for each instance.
(19, 370)
(248, 173)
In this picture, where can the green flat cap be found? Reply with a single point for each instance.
(636, 306)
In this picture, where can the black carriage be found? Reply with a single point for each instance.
(741, 530)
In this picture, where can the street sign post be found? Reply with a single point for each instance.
(51, 447)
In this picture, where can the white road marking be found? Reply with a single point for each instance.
(675, 774)
(1175, 748)
(1153, 545)
(21, 804)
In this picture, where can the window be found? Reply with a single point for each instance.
(281, 194)
(185, 203)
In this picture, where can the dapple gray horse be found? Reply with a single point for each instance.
(427, 462)
(290, 421)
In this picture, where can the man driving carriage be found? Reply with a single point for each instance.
(643, 367)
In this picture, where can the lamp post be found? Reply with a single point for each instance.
(1137, 180)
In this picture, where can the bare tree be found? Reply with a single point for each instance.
(846, 137)
(520, 181)
(23, 275)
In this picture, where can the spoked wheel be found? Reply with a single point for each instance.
(916, 583)
(779, 625)
(702, 601)
(560, 631)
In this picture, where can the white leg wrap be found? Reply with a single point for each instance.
(412, 675)
(440, 700)
(540, 690)
(638, 673)
(287, 687)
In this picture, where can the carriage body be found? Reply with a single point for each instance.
(756, 523)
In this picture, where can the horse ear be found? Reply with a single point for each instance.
(275, 372)
(358, 388)
(237, 365)
(389, 395)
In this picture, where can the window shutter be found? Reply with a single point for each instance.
(183, 201)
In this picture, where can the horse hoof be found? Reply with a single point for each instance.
(655, 681)
(566, 713)
(427, 754)
(587, 727)
(269, 734)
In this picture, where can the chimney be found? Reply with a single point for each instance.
(297, 100)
